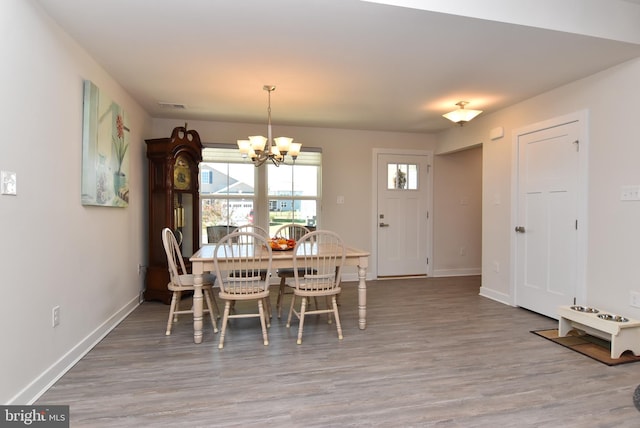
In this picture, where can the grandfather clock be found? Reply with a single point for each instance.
(173, 202)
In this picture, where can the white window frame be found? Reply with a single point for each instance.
(260, 198)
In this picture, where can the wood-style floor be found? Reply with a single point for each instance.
(434, 353)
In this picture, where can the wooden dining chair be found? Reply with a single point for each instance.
(180, 281)
(319, 256)
(263, 273)
(239, 259)
(287, 231)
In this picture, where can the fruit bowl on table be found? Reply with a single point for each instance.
(281, 244)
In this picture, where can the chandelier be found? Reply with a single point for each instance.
(462, 115)
(260, 149)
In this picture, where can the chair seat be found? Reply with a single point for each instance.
(257, 293)
(314, 292)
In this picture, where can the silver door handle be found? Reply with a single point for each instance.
(384, 225)
(520, 229)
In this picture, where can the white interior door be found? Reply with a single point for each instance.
(546, 267)
(403, 241)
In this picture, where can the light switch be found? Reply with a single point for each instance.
(630, 193)
(340, 200)
(8, 182)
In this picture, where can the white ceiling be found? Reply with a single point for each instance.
(335, 63)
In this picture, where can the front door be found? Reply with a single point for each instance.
(402, 214)
(546, 267)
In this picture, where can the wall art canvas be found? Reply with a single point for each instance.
(105, 154)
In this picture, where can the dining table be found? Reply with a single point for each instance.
(202, 261)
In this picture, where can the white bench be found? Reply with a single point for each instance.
(623, 335)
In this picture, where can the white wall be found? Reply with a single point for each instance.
(458, 213)
(54, 250)
(613, 247)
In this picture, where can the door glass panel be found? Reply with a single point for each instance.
(402, 176)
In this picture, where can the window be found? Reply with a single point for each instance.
(232, 190)
(227, 192)
(294, 191)
(402, 176)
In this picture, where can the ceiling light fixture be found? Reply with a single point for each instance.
(462, 115)
(276, 148)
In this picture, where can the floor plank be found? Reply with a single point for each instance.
(434, 353)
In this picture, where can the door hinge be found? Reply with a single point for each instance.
(427, 215)
(576, 224)
(427, 260)
(577, 143)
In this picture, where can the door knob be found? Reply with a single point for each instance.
(520, 229)
(384, 225)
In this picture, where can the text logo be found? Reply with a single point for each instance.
(34, 416)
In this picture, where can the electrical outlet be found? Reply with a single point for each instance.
(463, 251)
(635, 299)
(55, 316)
(140, 269)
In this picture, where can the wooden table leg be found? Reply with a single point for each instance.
(362, 296)
(197, 302)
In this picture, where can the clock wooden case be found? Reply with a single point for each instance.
(173, 202)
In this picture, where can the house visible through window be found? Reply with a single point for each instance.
(294, 192)
(206, 177)
(233, 190)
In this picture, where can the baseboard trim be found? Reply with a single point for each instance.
(457, 272)
(42, 383)
(495, 295)
(353, 277)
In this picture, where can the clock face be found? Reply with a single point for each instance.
(181, 174)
